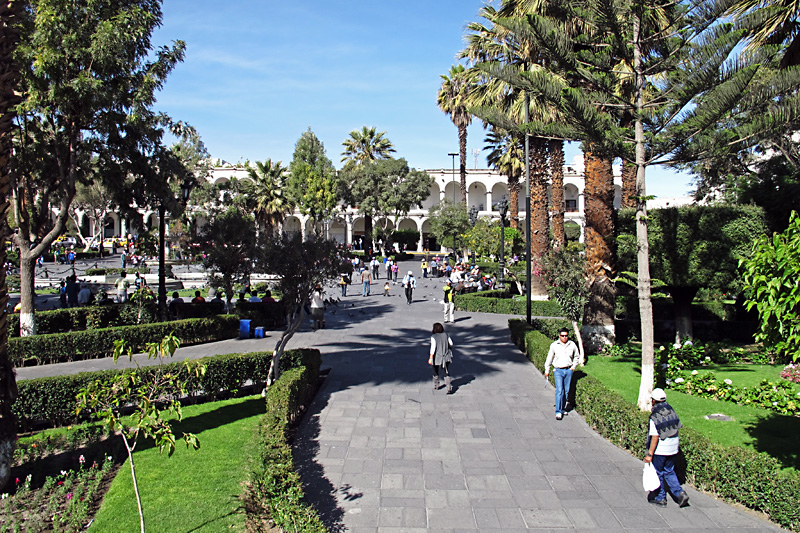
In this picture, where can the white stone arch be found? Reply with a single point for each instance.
(498, 191)
(434, 197)
(428, 240)
(220, 181)
(378, 222)
(476, 196)
(309, 226)
(571, 198)
(292, 224)
(150, 221)
(337, 231)
(407, 224)
(111, 225)
(452, 190)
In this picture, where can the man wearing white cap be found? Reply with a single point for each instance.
(662, 449)
(409, 283)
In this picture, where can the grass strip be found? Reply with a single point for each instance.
(192, 490)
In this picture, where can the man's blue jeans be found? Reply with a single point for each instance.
(365, 290)
(563, 378)
(665, 467)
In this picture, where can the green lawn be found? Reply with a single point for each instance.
(753, 427)
(193, 490)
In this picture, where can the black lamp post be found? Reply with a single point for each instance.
(473, 219)
(502, 206)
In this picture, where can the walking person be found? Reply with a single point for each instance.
(343, 283)
(318, 308)
(662, 449)
(122, 285)
(395, 269)
(409, 283)
(564, 356)
(449, 304)
(366, 280)
(376, 267)
(441, 355)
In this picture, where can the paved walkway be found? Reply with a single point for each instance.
(380, 451)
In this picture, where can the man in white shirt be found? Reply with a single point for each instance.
(662, 449)
(564, 356)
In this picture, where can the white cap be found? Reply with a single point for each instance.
(659, 395)
(410, 273)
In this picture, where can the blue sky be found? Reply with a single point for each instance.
(259, 73)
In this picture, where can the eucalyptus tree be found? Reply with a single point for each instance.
(686, 73)
(312, 183)
(452, 99)
(89, 77)
(361, 148)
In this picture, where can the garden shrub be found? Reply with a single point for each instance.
(92, 344)
(82, 318)
(117, 271)
(275, 491)
(741, 475)
(500, 301)
(52, 399)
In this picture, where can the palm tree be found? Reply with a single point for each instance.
(507, 155)
(9, 73)
(771, 22)
(452, 100)
(267, 194)
(366, 146)
(555, 150)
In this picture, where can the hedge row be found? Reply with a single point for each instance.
(52, 399)
(754, 479)
(497, 301)
(81, 318)
(110, 271)
(93, 344)
(275, 491)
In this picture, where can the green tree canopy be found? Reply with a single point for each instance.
(312, 180)
(691, 248)
(771, 277)
(449, 222)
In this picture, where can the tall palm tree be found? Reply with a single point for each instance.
(267, 195)
(366, 146)
(555, 150)
(772, 22)
(507, 155)
(9, 73)
(452, 99)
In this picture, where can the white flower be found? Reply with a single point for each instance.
(694, 372)
(4, 496)
(661, 349)
(708, 358)
(679, 380)
(728, 382)
(774, 403)
(677, 346)
(687, 343)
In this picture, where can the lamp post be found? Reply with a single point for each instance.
(186, 189)
(453, 181)
(502, 206)
(473, 219)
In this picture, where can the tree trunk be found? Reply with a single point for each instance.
(682, 298)
(628, 185)
(513, 199)
(539, 224)
(598, 321)
(556, 152)
(9, 74)
(462, 149)
(27, 311)
(368, 230)
(643, 245)
(294, 322)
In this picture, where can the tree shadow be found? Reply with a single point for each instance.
(775, 435)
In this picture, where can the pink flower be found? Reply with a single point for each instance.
(69, 495)
(17, 481)
(81, 459)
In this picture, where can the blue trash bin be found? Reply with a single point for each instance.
(259, 332)
(244, 329)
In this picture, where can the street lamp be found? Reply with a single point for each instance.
(502, 206)
(473, 219)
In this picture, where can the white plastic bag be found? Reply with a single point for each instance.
(650, 480)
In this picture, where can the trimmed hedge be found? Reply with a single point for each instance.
(93, 344)
(276, 491)
(117, 271)
(81, 318)
(498, 301)
(736, 474)
(52, 399)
